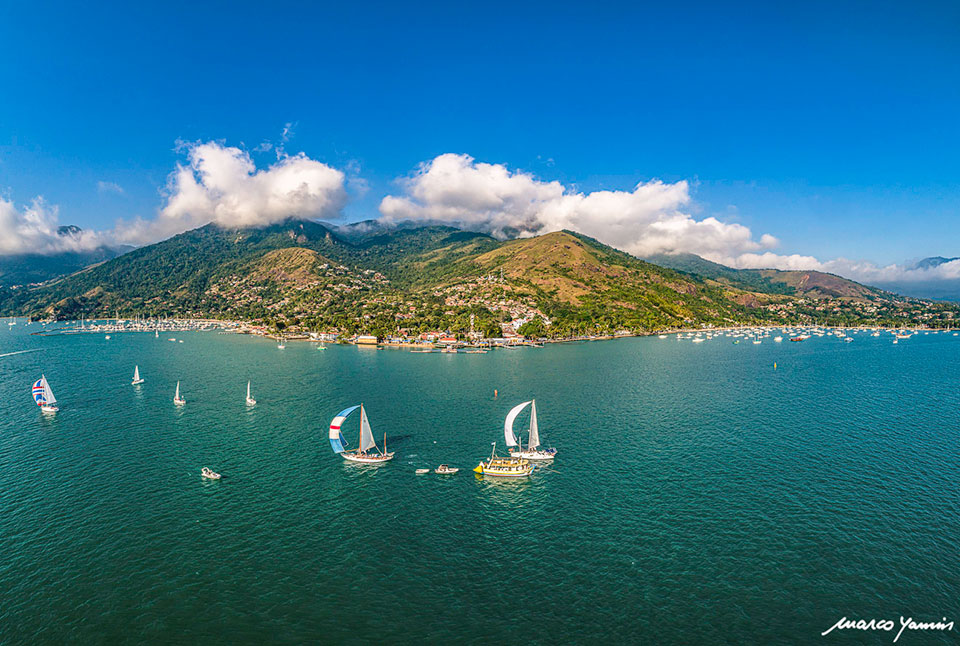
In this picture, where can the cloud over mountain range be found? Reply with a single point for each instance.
(221, 184)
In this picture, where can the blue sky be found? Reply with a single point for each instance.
(832, 127)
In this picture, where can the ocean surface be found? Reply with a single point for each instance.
(700, 495)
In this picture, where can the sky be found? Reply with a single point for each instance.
(802, 135)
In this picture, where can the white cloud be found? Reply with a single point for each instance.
(109, 187)
(357, 184)
(655, 217)
(859, 270)
(652, 218)
(35, 229)
(221, 184)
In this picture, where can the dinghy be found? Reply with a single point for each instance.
(360, 454)
(43, 395)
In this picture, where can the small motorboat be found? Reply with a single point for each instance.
(446, 470)
(420, 472)
(209, 474)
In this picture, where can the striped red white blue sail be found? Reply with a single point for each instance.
(38, 395)
(336, 437)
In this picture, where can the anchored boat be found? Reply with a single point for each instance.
(512, 467)
(532, 452)
(360, 454)
(43, 395)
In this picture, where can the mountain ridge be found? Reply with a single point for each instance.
(386, 279)
(33, 268)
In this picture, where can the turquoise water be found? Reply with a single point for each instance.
(700, 496)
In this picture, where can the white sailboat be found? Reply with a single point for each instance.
(250, 400)
(136, 377)
(43, 395)
(367, 442)
(533, 450)
(177, 399)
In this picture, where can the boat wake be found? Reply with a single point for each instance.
(10, 354)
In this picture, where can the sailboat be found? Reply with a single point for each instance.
(43, 395)
(250, 400)
(281, 346)
(136, 377)
(532, 452)
(177, 399)
(366, 439)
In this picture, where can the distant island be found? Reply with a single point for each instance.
(371, 279)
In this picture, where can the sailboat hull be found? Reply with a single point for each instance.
(367, 458)
(543, 454)
(49, 409)
(136, 382)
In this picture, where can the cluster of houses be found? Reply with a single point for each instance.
(428, 339)
(405, 338)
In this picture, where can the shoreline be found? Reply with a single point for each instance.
(172, 326)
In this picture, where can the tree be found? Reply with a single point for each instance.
(534, 328)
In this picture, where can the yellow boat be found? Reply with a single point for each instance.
(504, 467)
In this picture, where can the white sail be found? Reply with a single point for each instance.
(176, 396)
(248, 390)
(136, 373)
(508, 424)
(48, 393)
(534, 431)
(366, 435)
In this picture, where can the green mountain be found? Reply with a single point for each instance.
(26, 269)
(377, 279)
(798, 283)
